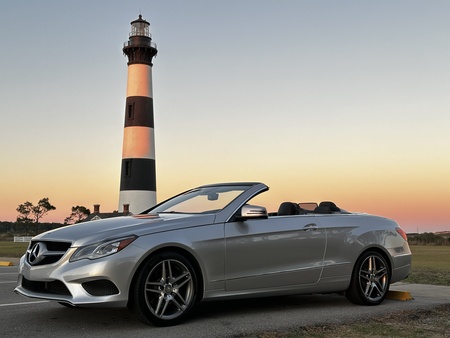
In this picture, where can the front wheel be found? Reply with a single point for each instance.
(370, 280)
(164, 290)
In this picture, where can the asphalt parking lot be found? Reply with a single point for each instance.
(36, 318)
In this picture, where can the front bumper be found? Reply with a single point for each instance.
(101, 282)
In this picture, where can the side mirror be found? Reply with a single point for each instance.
(252, 212)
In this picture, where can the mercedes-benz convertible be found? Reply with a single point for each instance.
(211, 243)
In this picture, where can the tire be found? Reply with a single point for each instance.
(370, 280)
(164, 290)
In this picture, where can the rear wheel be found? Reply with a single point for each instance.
(370, 280)
(164, 290)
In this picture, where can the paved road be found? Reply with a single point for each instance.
(34, 318)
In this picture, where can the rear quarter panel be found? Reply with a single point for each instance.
(349, 235)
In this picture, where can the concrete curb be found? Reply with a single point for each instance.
(9, 261)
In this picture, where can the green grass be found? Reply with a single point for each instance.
(430, 265)
(12, 249)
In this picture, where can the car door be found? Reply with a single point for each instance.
(280, 251)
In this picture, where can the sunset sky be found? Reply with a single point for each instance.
(346, 101)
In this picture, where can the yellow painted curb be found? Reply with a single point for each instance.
(6, 263)
(399, 295)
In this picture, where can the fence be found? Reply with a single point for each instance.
(22, 238)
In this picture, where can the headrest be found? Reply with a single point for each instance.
(331, 205)
(288, 208)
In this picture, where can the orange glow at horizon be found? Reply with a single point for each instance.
(414, 196)
(409, 211)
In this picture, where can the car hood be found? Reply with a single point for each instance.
(95, 231)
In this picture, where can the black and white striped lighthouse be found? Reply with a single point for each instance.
(138, 176)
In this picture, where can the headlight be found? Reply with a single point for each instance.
(102, 249)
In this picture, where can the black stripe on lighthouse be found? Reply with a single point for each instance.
(139, 111)
(138, 174)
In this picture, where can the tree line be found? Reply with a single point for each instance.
(429, 238)
(10, 229)
(30, 213)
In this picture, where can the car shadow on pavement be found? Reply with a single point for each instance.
(241, 307)
(218, 316)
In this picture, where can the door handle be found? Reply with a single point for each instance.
(310, 227)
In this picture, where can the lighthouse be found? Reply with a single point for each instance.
(138, 173)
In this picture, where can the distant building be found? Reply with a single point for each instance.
(96, 215)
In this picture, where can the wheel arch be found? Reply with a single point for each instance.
(181, 251)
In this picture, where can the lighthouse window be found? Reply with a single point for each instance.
(130, 112)
(128, 168)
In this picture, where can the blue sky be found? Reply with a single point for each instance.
(341, 100)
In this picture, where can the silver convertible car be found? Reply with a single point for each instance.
(209, 243)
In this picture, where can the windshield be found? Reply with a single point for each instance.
(208, 199)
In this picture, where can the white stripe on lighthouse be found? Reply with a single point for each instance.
(139, 198)
(139, 81)
(138, 142)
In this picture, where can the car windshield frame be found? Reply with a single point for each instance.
(202, 200)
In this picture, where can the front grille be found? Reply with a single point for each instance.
(101, 287)
(47, 252)
(50, 260)
(54, 287)
(57, 246)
